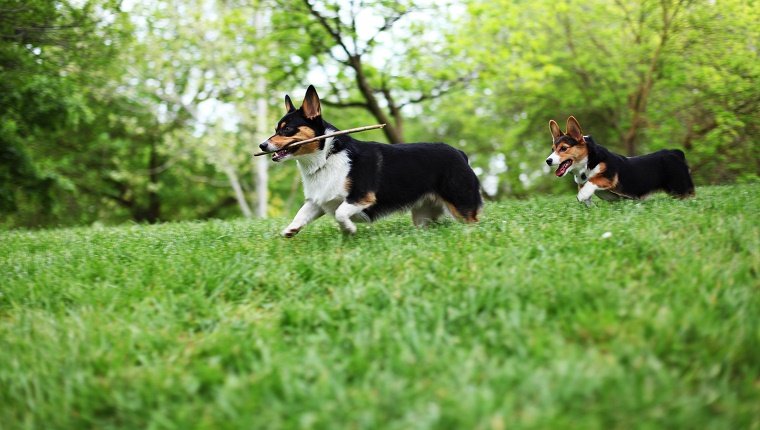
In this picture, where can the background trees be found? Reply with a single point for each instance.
(149, 111)
(49, 52)
(641, 75)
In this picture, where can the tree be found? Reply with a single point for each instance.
(344, 40)
(640, 75)
(48, 51)
(201, 84)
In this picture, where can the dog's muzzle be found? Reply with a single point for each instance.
(552, 159)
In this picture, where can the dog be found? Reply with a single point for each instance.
(353, 180)
(612, 176)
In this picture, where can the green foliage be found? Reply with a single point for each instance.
(640, 76)
(46, 50)
(529, 319)
(109, 115)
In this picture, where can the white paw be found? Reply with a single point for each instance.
(348, 228)
(290, 232)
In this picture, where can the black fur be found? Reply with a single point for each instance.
(664, 170)
(398, 175)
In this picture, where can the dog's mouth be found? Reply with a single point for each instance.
(562, 169)
(279, 155)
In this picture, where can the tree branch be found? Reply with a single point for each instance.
(334, 33)
(387, 25)
(342, 105)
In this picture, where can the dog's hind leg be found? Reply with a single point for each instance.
(467, 214)
(426, 210)
(461, 194)
(680, 184)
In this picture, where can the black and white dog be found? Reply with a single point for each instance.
(353, 180)
(611, 176)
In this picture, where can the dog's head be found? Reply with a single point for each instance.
(297, 124)
(569, 149)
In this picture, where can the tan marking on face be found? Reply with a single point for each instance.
(576, 153)
(369, 199)
(280, 141)
(303, 134)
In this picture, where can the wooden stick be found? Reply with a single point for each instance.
(324, 136)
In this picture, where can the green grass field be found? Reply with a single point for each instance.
(529, 319)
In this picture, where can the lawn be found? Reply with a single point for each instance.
(546, 314)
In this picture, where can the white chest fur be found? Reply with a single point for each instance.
(324, 178)
(581, 172)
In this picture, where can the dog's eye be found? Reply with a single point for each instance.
(287, 131)
(563, 149)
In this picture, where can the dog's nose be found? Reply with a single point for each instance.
(548, 161)
(263, 146)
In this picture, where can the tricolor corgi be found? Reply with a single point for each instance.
(352, 180)
(612, 176)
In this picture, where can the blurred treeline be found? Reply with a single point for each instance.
(150, 110)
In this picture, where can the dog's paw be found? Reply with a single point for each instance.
(585, 201)
(349, 229)
(290, 232)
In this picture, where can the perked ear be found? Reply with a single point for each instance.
(573, 129)
(289, 104)
(310, 106)
(554, 127)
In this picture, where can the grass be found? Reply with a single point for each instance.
(529, 319)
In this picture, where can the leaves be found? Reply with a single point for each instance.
(109, 112)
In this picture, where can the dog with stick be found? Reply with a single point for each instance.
(353, 180)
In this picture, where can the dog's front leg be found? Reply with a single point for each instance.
(308, 213)
(586, 192)
(344, 213)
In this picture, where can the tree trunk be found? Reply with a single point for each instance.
(637, 101)
(153, 212)
(392, 130)
(239, 194)
(261, 164)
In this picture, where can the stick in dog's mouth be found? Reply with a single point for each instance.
(289, 147)
(280, 154)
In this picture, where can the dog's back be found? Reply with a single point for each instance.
(662, 170)
(404, 174)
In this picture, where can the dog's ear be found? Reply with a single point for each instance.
(554, 127)
(573, 129)
(310, 106)
(289, 104)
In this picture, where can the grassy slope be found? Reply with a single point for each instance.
(528, 319)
